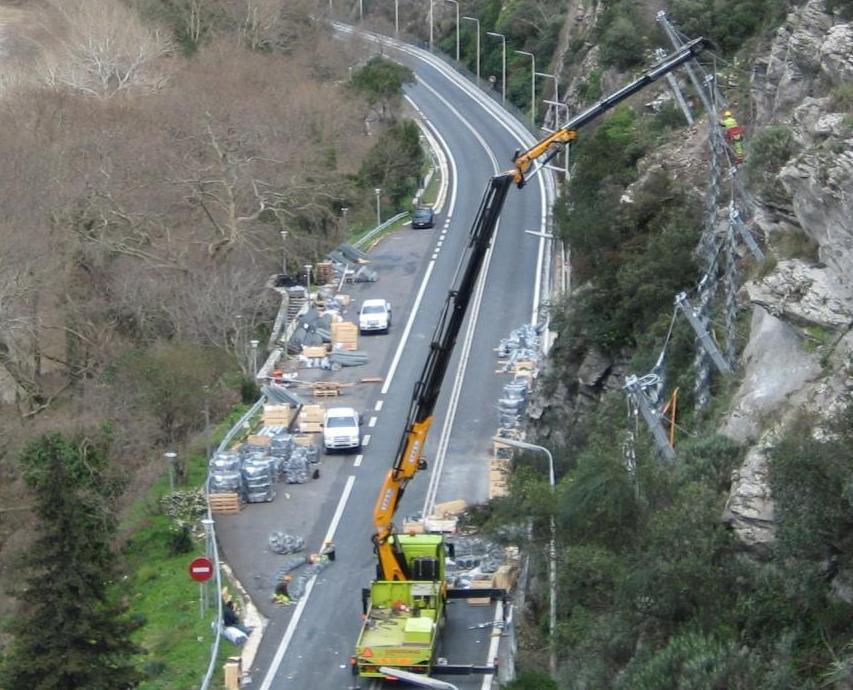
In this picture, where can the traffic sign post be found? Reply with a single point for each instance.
(201, 570)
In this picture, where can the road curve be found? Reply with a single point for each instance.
(309, 649)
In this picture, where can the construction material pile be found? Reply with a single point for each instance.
(523, 345)
(313, 329)
(512, 403)
(283, 543)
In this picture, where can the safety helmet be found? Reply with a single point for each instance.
(727, 113)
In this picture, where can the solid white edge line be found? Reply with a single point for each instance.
(494, 643)
(300, 607)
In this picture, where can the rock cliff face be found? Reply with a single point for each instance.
(799, 354)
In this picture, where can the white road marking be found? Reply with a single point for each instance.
(439, 243)
(303, 602)
(358, 459)
(372, 422)
(366, 440)
(494, 642)
(411, 320)
(378, 405)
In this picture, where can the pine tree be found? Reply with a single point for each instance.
(71, 632)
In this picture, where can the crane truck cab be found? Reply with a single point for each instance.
(341, 429)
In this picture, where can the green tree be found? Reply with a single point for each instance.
(71, 633)
(395, 163)
(381, 83)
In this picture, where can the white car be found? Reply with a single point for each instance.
(341, 429)
(375, 315)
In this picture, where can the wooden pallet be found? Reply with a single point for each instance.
(327, 392)
(225, 504)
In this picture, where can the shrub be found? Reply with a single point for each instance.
(771, 148)
(622, 43)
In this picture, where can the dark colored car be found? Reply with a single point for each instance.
(423, 218)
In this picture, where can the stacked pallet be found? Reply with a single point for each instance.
(344, 336)
(225, 504)
(499, 468)
(277, 415)
(311, 419)
(326, 389)
(323, 273)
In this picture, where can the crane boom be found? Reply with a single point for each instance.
(392, 566)
(552, 144)
(392, 563)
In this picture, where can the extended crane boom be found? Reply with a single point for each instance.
(551, 145)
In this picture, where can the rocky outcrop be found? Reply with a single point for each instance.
(775, 367)
(750, 511)
(786, 76)
(804, 295)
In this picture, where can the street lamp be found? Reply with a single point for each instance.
(431, 24)
(552, 549)
(254, 356)
(456, 2)
(308, 268)
(477, 22)
(532, 84)
(378, 193)
(396, 17)
(283, 234)
(556, 90)
(361, 10)
(170, 460)
(503, 69)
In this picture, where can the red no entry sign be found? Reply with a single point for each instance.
(201, 569)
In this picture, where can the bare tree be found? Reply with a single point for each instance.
(101, 48)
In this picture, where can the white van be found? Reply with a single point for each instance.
(341, 429)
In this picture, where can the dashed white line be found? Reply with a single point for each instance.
(358, 459)
(300, 607)
(366, 440)
(372, 422)
(378, 405)
(439, 243)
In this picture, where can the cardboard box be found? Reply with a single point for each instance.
(314, 351)
(277, 415)
(312, 413)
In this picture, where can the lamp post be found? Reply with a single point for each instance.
(344, 211)
(361, 10)
(556, 89)
(253, 363)
(283, 234)
(378, 193)
(171, 457)
(477, 22)
(456, 2)
(552, 549)
(308, 268)
(431, 24)
(532, 84)
(503, 69)
(396, 17)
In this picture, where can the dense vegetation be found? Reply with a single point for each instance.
(156, 151)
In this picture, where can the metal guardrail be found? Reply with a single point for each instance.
(211, 533)
(365, 239)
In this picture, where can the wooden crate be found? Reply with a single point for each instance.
(303, 440)
(314, 350)
(225, 504)
(233, 672)
(344, 336)
(310, 427)
(277, 415)
(326, 389)
(257, 440)
(312, 413)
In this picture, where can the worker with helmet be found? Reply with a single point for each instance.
(734, 134)
(281, 595)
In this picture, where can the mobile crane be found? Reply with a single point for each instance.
(404, 608)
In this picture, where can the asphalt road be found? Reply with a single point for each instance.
(308, 646)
